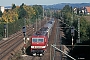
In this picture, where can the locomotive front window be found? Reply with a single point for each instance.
(34, 40)
(40, 40)
(37, 39)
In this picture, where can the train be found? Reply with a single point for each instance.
(39, 40)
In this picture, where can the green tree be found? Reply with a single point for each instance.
(22, 5)
(67, 8)
(83, 29)
(38, 9)
(67, 14)
(29, 11)
(1, 13)
(22, 13)
(13, 6)
(88, 30)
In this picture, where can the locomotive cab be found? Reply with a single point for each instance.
(38, 44)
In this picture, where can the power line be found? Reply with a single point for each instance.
(63, 52)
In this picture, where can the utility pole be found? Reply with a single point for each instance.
(72, 29)
(36, 24)
(78, 30)
(43, 11)
(46, 16)
(7, 28)
(51, 13)
(72, 34)
(33, 27)
(72, 18)
(40, 21)
(25, 22)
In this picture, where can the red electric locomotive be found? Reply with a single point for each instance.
(39, 42)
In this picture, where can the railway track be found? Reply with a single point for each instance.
(6, 46)
(9, 48)
(9, 45)
(5, 42)
(58, 55)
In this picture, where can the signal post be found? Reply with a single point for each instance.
(24, 33)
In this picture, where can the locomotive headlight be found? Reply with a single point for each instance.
(47, 31)
(43, 46)
(32, 46)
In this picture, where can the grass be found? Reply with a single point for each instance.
(87, 18)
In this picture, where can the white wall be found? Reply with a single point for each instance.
(2, 8)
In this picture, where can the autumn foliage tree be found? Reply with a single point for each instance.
(10, 16)
(15, 16)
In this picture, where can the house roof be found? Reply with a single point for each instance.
(88, 9)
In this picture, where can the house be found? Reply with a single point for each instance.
(88, 10)
(85, 10)
(75, 10)
(82, 10)
(2, 9)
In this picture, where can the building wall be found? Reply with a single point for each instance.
(2, 9)
(88, 10)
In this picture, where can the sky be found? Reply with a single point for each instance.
(39, 2)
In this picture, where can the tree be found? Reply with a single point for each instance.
(67, 14)
(1, 13)
(22, 13)
(88, 30)
(83, 29)
(22, 5)
(29, 11)
(10, 16)
(67, 8)
(38, 9)
(13, 6)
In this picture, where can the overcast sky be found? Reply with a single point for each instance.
(41, 2)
